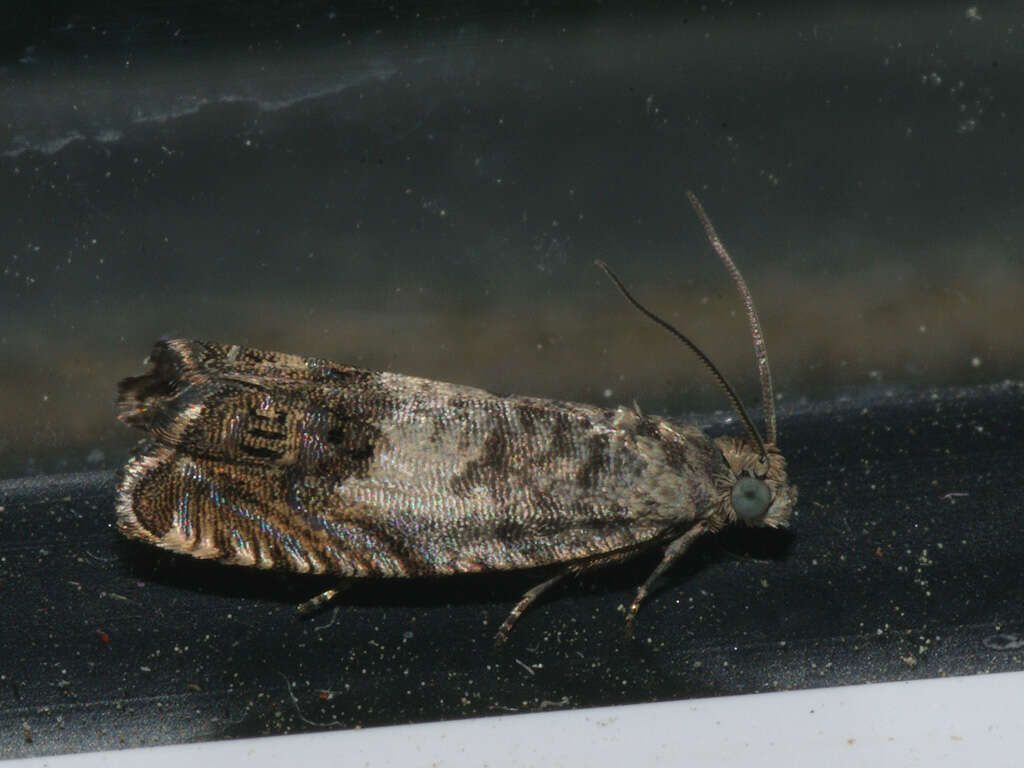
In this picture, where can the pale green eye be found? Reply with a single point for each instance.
(750, 497)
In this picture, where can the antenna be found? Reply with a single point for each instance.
(760, 350)
(729, 391)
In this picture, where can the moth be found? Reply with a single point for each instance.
(271, 460)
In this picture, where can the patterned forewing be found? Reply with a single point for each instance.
(281, 461)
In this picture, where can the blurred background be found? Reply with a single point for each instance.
(424, 188)
(425, 191)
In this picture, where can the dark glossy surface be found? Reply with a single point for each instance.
(902, 564)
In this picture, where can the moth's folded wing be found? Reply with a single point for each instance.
(268, 516)
(246, 515)
(180, 361)
(422, 527)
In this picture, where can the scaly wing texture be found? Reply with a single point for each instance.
(273, 460)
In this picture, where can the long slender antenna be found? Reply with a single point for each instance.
(760, 350)
(729, 391)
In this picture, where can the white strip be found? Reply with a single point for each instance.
(968, 721)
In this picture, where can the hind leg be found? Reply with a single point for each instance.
(318, 601)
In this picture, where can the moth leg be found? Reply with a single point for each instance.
(673, 552)
(531, 597)
(525, 602)
(318, 601)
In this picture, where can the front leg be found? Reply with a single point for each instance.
(673, 552)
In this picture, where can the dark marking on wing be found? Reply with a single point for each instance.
(489, 470)
(257, 452)
(595, 463)
(355, 443)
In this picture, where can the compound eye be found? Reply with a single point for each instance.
(750, 497)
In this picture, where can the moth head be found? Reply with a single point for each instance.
(753, 488)
(757, 489)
